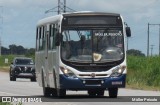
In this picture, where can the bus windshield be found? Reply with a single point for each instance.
(92, 45)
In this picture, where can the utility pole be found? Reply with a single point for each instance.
(1, 26)
(64, 6)
(148, 38)
(152, 49)
(61, 8)
(0, 46)
(148, 42)
(159, 39)
(127, 43)
(58, 7)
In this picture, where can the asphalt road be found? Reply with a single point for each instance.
(23, 87)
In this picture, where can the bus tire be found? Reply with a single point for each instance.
(113, 92)
(47, 91)
(54, 92)
(61, 93)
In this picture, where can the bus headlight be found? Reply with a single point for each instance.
(118, 71)
(68, 72)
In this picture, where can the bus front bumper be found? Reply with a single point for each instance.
(88, 83)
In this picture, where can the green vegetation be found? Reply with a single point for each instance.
(8, 103)
(2, 60)
(135, 52)
(5, 66)
(16, 50)
(5, 103)
(143, 72)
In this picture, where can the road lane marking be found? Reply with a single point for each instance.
(8, 94)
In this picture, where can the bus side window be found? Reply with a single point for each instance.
(43, 38)
(52, 36)
(37, 39)
(39, 47)
(40, 38)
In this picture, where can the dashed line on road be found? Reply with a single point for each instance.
(8, 94)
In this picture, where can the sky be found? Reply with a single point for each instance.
(21, 16)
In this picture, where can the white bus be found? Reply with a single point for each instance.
(81, 51)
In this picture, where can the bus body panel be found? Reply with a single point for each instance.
(77, 83)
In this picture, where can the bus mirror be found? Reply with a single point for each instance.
(58, 39)
(128, 31)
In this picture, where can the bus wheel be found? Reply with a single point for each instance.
(54, 92)
(46, 91)
(113, 92)
(61, 93)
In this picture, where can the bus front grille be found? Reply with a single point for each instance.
(91, 76)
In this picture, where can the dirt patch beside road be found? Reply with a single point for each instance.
(4, 69)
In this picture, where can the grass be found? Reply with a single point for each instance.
(143, 72)
(5, 103)
(2, 60)
(8, 103)
(5, 66)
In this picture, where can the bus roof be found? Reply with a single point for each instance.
(49, 20)
(82, 13)
(57, 18)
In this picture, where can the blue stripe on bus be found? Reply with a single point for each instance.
(77, 83)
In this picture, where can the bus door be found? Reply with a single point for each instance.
(46, 54)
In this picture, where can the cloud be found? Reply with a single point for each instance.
(23, 3)
(11, 2)
(146, 15)
(136, 9)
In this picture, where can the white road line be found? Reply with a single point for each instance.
(8, 94)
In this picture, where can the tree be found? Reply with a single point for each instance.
(13, 49)
(135, 52)
(5, 51)
(21, 50)
(18, 50)
(30, 52)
